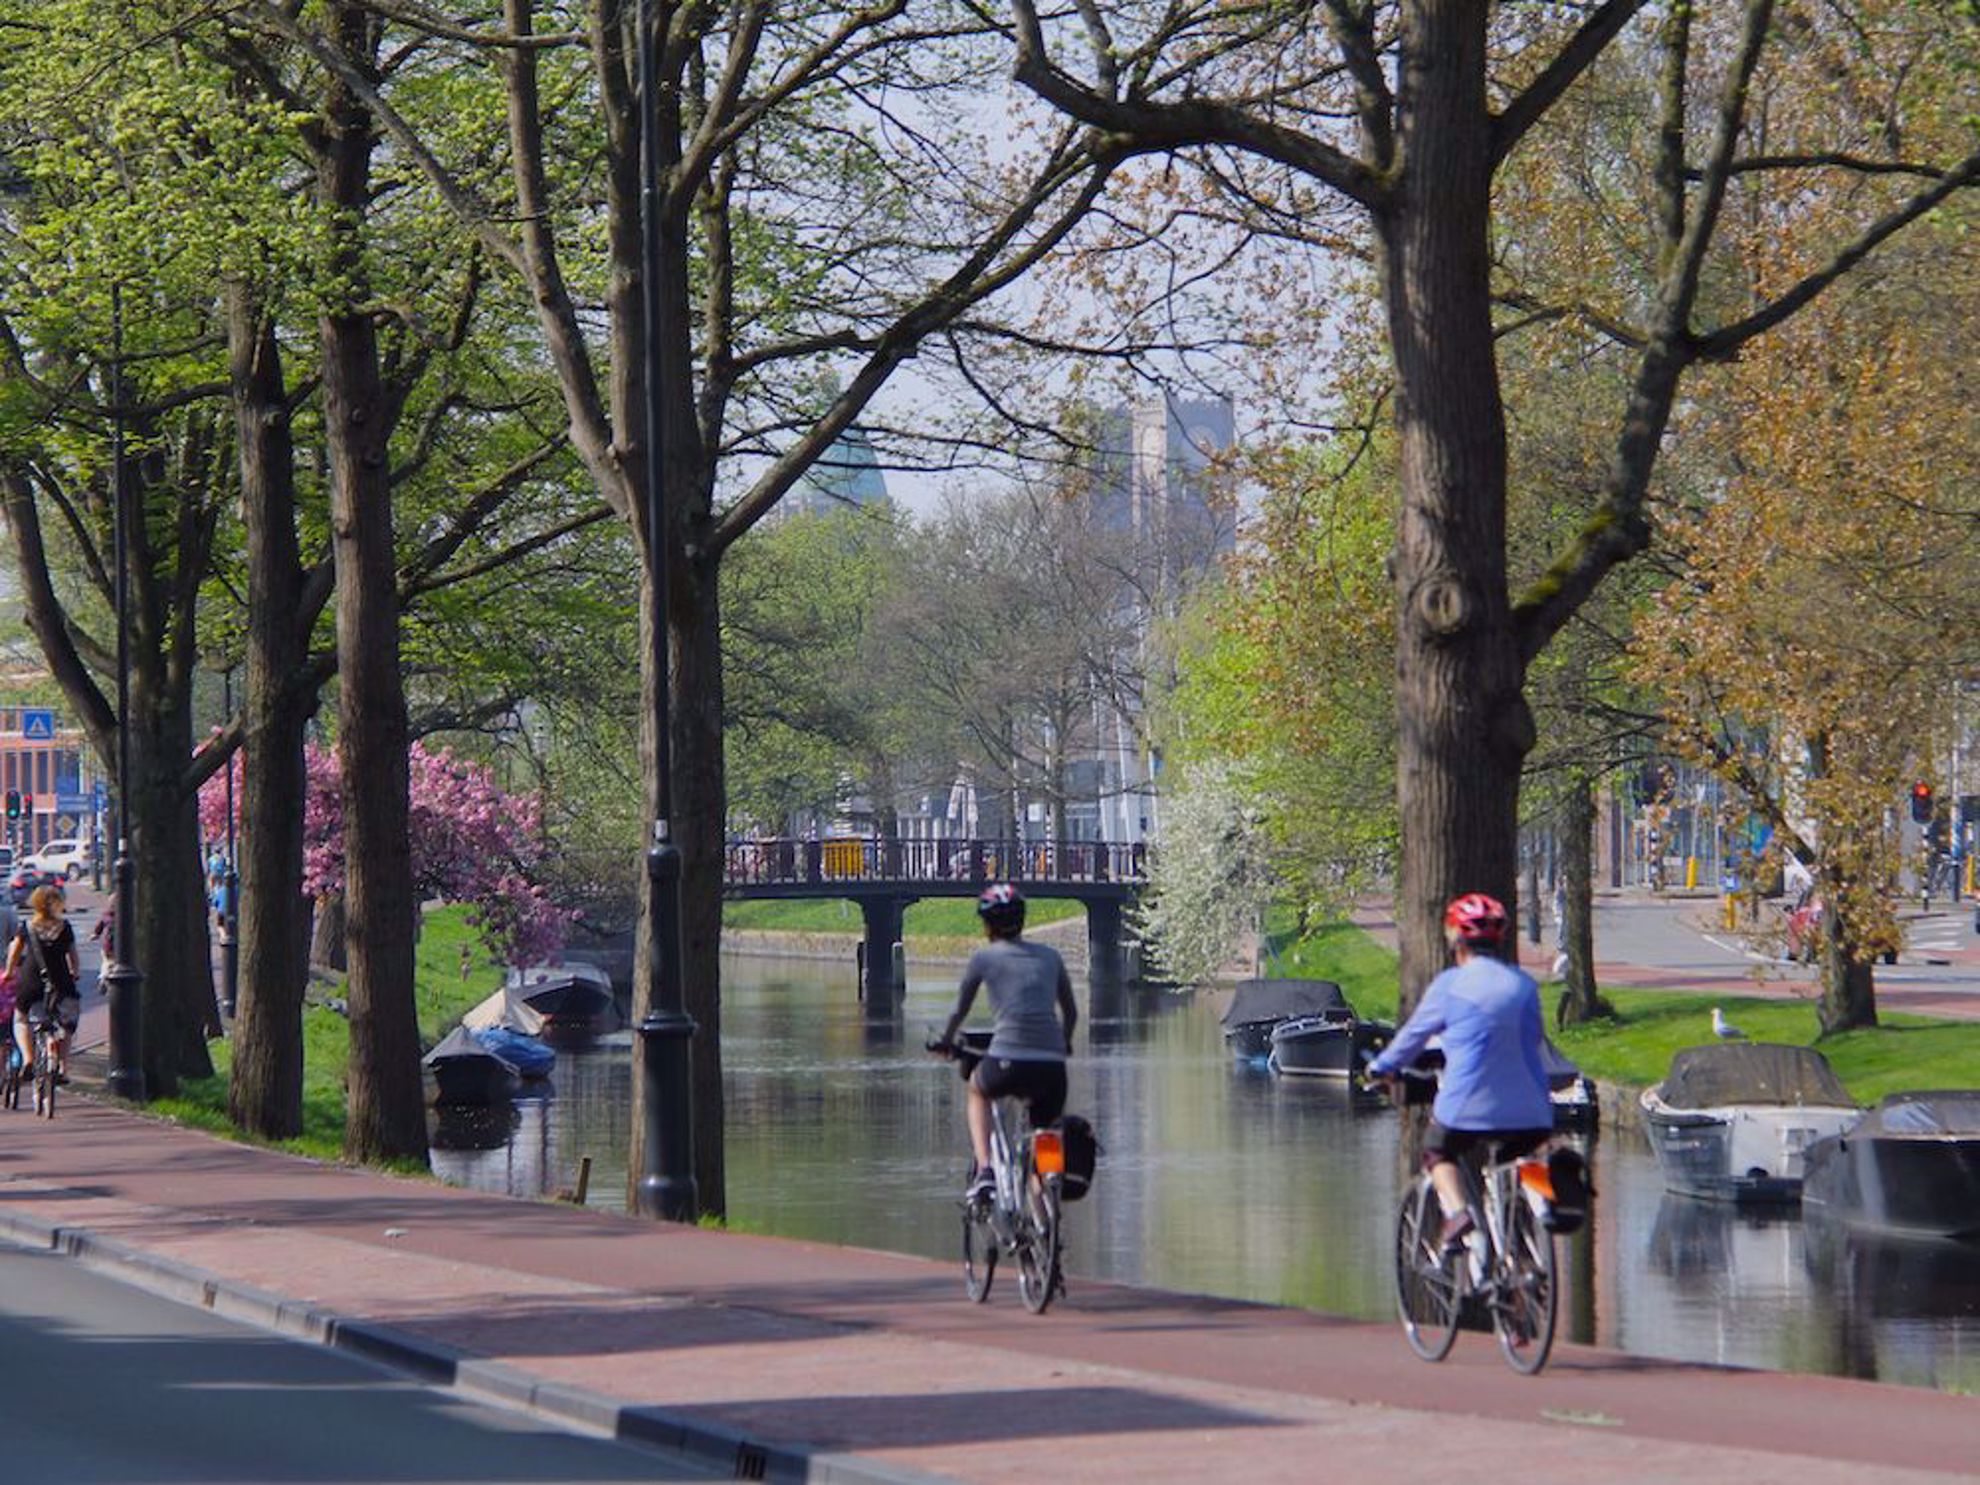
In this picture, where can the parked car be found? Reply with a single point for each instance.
(28, 876)
(69, 857)
(6, 858)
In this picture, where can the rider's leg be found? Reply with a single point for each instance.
(22, 1040)
(1449, 1181)
(979, 1125)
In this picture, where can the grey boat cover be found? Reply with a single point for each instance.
(1279, 1000)
(1953, 1112)
(1752, 1072)
(1561, 1073)
(459, 1045)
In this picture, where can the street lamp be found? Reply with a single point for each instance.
(666, 1179)
(126, 1079)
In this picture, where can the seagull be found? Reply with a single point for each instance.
(1721, 1027)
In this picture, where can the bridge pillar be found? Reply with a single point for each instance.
(1106, 974)
(884, 919)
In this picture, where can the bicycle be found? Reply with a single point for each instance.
(45, 1028)
(1507, 1262)
(10, 1075)
(1021, 1216)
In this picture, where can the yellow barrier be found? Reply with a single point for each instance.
(843, 858)
(1690, 873)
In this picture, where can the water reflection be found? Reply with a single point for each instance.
(1215, 1179)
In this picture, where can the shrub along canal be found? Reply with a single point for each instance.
(1217, 1179)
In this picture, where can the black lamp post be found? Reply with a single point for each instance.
(126, 1079)
(230, 940)
(666, 1179)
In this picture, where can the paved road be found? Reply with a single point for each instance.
(108, 1383)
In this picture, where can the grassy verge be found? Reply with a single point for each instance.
(442, 996)
(935, 917)
(1634, 1049)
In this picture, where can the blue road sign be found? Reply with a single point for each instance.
(37, 724)
(101, 792)
(67, 803)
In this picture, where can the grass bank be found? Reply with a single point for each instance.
(933, 917)
(1634, 1048)
(442, 995)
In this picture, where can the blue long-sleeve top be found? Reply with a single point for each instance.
(1488, 1014)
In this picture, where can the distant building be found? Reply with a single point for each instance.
(1155, 475)
(847, 474)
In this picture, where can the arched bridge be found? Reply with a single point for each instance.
(885, 876)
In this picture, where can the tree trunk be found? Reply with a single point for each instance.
(265, 1097)
(387, 1118)
(326, 940)
(168, 917)
(1463, 726)
(1581, 1000)
(1849, 977)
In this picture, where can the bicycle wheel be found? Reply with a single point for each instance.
(979, 1250)
(1527, 1299)
(1428, 1300)
(1038, 1250)
(44, 1076)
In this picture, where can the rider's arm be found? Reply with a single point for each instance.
(1068, 1006)
(1427, 1021)
(965, 997)
(14, 953)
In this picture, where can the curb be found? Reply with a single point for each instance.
(737, 1454)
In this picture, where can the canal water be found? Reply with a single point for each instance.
(1216, 1179)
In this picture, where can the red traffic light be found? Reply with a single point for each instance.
(1921, 802)
(27, 803)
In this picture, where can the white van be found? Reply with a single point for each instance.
(69, 857)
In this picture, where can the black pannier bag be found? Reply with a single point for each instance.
(1569, 1174)
(1082, 1155)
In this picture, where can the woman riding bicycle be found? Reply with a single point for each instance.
(43, 960)
(1028, 1045)
(1493, 1085)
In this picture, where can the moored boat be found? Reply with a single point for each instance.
(1911, 1165)
(1733, 1121)
(529, 1055)
(1260, 1005)
(1333, 1044)
(465, 1073)
(1572, 1090)
(574, 1000)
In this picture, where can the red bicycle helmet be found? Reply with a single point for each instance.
(1001, 906)
(1477, 919)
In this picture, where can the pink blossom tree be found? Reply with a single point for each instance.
(472, 843)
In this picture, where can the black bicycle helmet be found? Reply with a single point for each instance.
(1001, 906)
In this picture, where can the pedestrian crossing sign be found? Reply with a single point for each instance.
(37, 724)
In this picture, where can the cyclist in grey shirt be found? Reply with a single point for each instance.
(1027, 984)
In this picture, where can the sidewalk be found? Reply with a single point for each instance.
(789, 1360)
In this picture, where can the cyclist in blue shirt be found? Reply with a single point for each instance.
(1027, 984)
(1494, 1084)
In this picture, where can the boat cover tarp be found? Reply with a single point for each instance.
(1561, 1073)
(1752, 1072)
(459, 1045)
(1952, 1112)
(505, 1008)
(1279, 1000)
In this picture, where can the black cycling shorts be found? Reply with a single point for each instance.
(1041, 1084)
(1440, 1143)
(68, 1012)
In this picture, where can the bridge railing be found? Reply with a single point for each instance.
(788, 862)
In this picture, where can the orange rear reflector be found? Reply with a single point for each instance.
(1535, 1177)
(1048, 1153)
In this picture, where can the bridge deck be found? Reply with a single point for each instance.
(857, 867)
